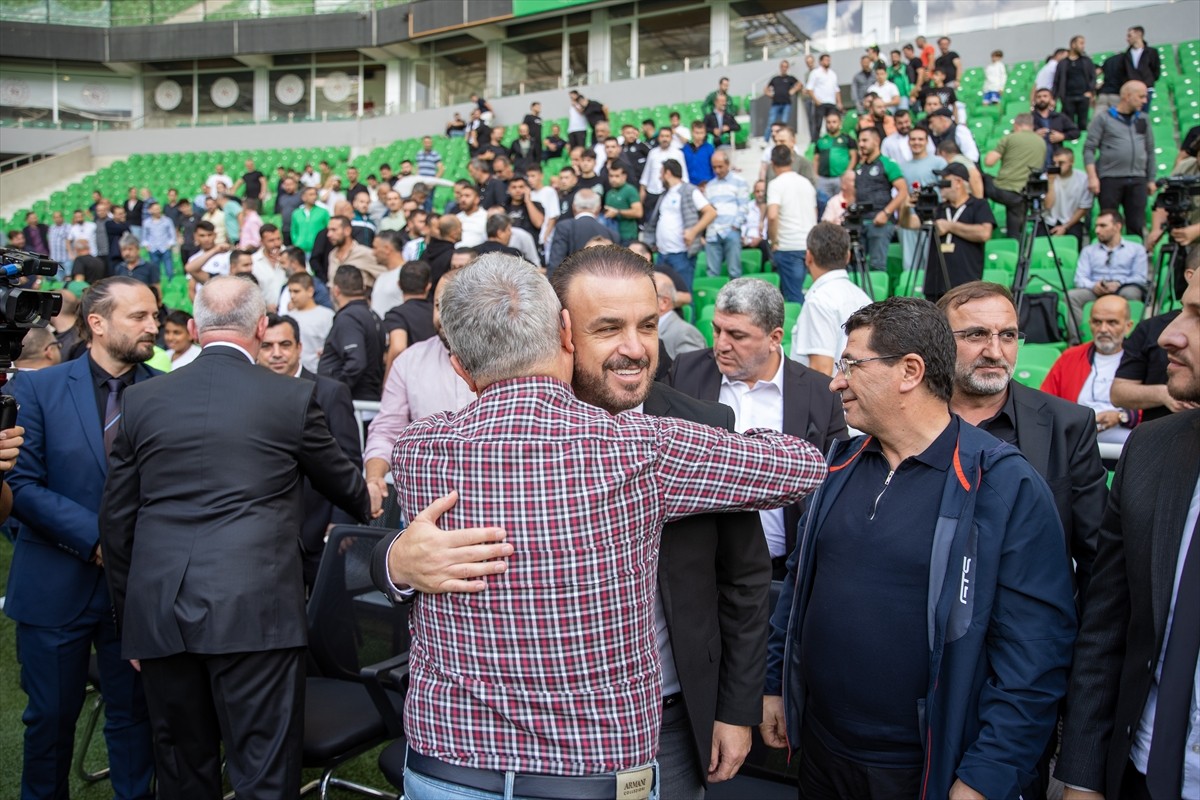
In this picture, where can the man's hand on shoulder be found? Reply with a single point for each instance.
(434, 561)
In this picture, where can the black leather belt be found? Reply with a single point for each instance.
(672, 700)
(549, 787)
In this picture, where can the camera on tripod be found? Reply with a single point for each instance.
(1175, 197)
(852, 220)
(22, 308)
(928, 199)
(1039, 182)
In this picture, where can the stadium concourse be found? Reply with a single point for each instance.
(750, 202)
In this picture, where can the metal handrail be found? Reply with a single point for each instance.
(56, 150)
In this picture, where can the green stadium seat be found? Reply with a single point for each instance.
(791, 313)
(704, 322)
(704, 292)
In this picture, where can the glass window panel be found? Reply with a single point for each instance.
(336, 91)
(374, 89)
(423, 84)
(289, 91)
(225, 97)
(664, 41)
(620, 65)
(167, 99)
(87, 97)
(781, 27)
(27, 96)
(459, 75)
(532, 64)
(577, 52)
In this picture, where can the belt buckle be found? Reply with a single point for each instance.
(635, 784)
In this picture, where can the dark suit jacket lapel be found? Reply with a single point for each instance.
(657, 403)
(710, 380)
(796, 403)
(1179, 467)
(83, 393)
(1033, 424)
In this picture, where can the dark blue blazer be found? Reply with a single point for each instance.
(57, 485)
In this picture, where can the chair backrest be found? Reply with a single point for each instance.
(350, 623)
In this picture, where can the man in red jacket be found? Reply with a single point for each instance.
(1084, 373)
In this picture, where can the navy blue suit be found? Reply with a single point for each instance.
(57, 596)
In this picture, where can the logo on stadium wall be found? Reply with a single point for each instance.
(337, 87)
(14, 92)
(94, 95)
(224, 92)
(289, 89)
(168, 95)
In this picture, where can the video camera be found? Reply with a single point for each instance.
(1175, 197)
(23, 308)
(852, 220)
(1039, 182)
(928, 198)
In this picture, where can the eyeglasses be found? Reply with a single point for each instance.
(982, 336)
(844, 365)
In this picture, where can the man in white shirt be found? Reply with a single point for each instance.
(82, 229)
(314, 320)
(651, 183)
(818, 338)
(885, 89)
(218, 182)
(1045, 75)
(822, 87)
(389, 252)
(269, 265)
(472, 217)
(682, 215)
(1068, 199)
(791, 214)
(895, 145)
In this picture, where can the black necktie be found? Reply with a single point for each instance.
(112, 413)
(1164, 770)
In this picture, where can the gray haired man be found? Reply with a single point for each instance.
(132, 266)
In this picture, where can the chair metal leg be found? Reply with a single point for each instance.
(89, 731)
(321, 786)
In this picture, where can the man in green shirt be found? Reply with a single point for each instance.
(622, 203)
(898, 74)
(1019, 153)
(835, 153)
(308, 220)
(710, 102)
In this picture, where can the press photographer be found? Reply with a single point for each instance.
(961, 225)
(1177, 211)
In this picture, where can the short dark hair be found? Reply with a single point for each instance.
(274, 320)
(904, 112)
(646, 122)
(1112, 212)
(672, 166)
(609, 261)
(903, 325)
(302, 279)
(829, 245)
(393, 238)
(873, 131)
(206, 226)
(98, 299)
(833, 112)
(349, 281)
(342, 220)
(497, 223)
(268, 228)
(415, 277)
(297, 255)
(177, 317)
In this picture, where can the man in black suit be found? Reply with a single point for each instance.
(280, 352)
(721, 124)
(747, 370)
(1057, 437)
(356, 343)
(570, 235)
(713, 570)
(204, 568)
(1126, 731)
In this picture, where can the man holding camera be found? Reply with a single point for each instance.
(1021, 154)
(961, 225)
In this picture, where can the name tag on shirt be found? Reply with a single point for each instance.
(947, 247)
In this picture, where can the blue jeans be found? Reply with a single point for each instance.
(877, 239)
(165, 260)
(778, 113)
(423, 787)
(683, 264)
(790, 266)
(725, 249)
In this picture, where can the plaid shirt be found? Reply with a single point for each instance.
(554, 668)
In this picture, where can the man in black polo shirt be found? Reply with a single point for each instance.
(875, 177)
(634, 151)
(522, 209)
(780, 89)
(961, 226)
(948, 62)
(1075, 83)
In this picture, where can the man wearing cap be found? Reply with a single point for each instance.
(962, 224)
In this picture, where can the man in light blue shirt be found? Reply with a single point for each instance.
(1110, 265)
(158, 236)
(232, 209)
(918, 170)
(730, 196)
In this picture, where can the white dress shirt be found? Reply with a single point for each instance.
(652, 173)
(823, 84)
(760, 406)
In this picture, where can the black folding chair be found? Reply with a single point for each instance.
(94, 706)
(358, 657)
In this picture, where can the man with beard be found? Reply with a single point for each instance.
(1084, 373)
(1057, 437)
(895, 146)
(1053, 126)
(708, 701)
(57, 594)
(1110, 265)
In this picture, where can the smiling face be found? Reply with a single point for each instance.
(280, 352)
(614, 326)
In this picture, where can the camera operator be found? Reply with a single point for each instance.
(10, 447)
(1020, 153)
(962, 224)
(1068, 200)
(1189, 233)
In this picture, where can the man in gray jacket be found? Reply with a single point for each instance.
(1119, 156)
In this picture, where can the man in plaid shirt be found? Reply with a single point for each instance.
(529, 687)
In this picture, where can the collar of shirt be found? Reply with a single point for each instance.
(237, 347)
(937, 455)
(529, 385)
(776, 379)
(101, 377)
(1009, 414)
(828, 278)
